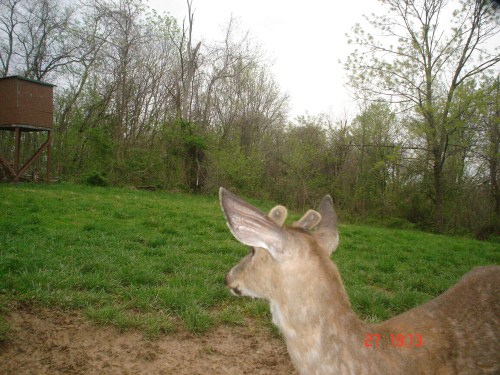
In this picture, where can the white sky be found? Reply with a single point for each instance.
(305, 39)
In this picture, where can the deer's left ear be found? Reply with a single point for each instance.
(252, 227)
(327, 234)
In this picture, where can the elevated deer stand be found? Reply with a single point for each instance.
(25, 106)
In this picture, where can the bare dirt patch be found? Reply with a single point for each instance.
(43, 341)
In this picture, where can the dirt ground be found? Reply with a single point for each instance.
(43, 341)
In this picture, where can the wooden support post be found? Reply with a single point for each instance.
(49, 139)
(32, 159)
(15, 170)
(7, 167)
(17, 150)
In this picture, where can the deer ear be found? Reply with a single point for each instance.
(278, 214)
(309, 220)
(251, 226)
(327, 234)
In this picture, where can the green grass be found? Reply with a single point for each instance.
(388, 271)
(156, 261)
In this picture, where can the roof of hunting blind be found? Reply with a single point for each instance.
(25, 104)
(27, 80)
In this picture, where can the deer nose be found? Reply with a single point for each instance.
(236, 291)
(228, 279)
(234, 288)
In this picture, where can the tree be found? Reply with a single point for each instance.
(44, 39)
(9, 19)
(35, 37)
(189, 56)
(419, 63)
(378, 147)
(488, 145)
(492, 122)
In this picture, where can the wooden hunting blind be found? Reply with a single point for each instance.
(25, 106)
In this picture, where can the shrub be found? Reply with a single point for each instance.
(96, 179)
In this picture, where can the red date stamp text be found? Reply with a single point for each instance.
(399, 340)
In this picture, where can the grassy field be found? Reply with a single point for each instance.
(156, 261)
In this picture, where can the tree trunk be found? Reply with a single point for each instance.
(438, 195)
(494, 167)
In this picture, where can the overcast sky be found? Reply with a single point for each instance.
(305, 39)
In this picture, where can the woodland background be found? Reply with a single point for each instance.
(139, 102)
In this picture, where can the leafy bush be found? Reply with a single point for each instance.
(96, 179)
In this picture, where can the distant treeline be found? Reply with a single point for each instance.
(140, 102)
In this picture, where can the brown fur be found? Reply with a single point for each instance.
(293, 271)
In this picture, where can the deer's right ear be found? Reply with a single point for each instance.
(251, 226)
(309, 220)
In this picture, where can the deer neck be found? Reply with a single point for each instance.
(318, 323)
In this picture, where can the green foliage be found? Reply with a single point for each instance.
(183, 137)
(304, 157)
(96, 179)
(185, 145)
(234, 168)
(434, 89)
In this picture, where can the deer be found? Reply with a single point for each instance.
(290, 266)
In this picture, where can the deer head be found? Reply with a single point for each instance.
(277, 251)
